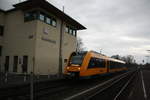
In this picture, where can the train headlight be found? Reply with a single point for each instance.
(67, 67)
(78, 68)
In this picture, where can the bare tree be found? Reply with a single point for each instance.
(116, 56)
(80, 45)
(129, 59)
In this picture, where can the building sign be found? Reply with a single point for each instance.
(45, 31)
(48, 40)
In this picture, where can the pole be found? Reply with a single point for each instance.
(63, 9)
(100, 50)
(148, 56)
(60, 50)
(32, 82)
(31, 86)
(60, 47)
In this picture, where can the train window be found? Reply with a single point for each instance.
(116, 65)
(119, 65)
(111, 65)
(96, 63)
(101, 63)
(92, 63)
(122, 65)
(77, 60)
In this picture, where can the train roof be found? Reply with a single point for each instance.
(99, 55)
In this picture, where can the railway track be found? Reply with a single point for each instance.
(60, 89)
(113, 89)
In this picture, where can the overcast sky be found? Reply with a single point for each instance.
(115, 26)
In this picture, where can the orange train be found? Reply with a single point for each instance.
(85, 64)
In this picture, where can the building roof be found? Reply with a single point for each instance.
(1, 10)
(50, 8)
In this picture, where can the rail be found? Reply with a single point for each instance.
(91, 92)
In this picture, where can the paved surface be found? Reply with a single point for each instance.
(10, 79)
(141, 87)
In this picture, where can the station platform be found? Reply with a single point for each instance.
(10, 79)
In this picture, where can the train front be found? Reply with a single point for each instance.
(74, 65)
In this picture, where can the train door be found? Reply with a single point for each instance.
(6, 63)
(108, 65)
(25, 64)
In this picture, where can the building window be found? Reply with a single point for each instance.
(29, 16)
(74, 32)
(25, 64)
(48, 20)
(42, 17)
(71, 31)
(54, 22)
(15, 64)
(35, 15)
(67, 29)
(1, 30)
(0, 50)
(51, 21)
(7, 64)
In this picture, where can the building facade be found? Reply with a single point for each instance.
(31, 35)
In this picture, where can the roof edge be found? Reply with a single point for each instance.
(49, 7)
(1, 10)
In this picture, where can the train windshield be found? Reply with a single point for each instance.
(76, 60)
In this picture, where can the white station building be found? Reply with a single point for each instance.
(31, 35)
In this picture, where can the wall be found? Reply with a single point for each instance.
(37, 40)
(47, 49)
(69, 46)
(2, 22)
(17, 39)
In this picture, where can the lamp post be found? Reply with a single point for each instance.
(147, 56)
(100, 50)
(148, 51)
